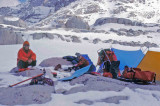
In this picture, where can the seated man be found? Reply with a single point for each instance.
(82, 62)
(26, 57)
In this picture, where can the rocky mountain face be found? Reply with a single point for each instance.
(14, 21)
(46, 12)
(8, 36)
(34, 10)
(143, 11)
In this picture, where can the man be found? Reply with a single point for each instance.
(82, 62)
(26, 57)
(109, 59)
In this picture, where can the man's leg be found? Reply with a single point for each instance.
(22, 64)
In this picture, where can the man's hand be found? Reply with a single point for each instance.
(30, 61)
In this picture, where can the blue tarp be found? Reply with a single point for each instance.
(90, 62)
(87, 58)
(77, 73)
(129, 58)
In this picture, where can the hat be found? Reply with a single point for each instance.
(26, 43)
(78, 54)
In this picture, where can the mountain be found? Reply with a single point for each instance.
(145, 11)
(33, 11)
(49, 12)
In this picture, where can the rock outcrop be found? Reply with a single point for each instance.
(8, 36)
(76, 22)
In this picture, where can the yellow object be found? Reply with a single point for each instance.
(151, 62)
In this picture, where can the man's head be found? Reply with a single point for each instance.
(26, 45)
(78, 54)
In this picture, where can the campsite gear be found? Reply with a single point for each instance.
(69, 69)
(29, 78)
(137, 74)
(129, 58)
(21, 64)
(145, 76)
(23, 69)
(22, 55)
(41, 81)
(151, 62)
(77, 73)
(58, 67)
(54, 74)
(95, 73)
(108, 74)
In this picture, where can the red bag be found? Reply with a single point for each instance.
(108, 74)
(145, 76)
(136, 69)
(140, 75)
(128, 75)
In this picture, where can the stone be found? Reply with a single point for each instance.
(75, 39)
(77, 22)
(52, 62)
(8, 37)
(97, 40)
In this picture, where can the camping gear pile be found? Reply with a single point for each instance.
(37, 80)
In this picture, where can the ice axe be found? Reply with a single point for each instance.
(44, 72)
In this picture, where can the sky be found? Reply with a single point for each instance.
(8, 3)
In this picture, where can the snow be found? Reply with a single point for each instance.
(55, 48)
(11, 18)
(103, 36)
(8, 3)
(136, 98)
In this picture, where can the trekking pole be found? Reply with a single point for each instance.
(44, 72)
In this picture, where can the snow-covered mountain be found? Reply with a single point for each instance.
(33, 11)
(45, 12)
(145, 11)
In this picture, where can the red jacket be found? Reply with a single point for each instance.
(22, 55)
(111, 55)
(82, 62)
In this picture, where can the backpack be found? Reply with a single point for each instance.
(137, 74)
